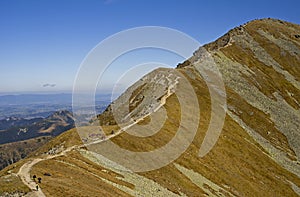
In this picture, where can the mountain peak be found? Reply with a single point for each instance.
(275, 27)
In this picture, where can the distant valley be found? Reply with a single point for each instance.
(29, 121)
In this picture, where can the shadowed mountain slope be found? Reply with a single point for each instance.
(19, 137)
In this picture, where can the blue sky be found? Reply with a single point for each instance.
(43, 42)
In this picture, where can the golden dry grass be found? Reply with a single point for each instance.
(165, 134)
(73, 175)
(9, 182)
(236, 161)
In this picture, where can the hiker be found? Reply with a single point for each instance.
(37, 188)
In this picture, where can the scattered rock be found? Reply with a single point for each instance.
(14, 194)
(47, 174)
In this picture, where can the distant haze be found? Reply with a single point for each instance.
(25, 99)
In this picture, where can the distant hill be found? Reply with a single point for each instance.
(18, 129)
(256, 154)
(34, 121)
(17, 122)
(20, 137)
(12, 152)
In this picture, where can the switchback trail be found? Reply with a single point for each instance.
(24, 172)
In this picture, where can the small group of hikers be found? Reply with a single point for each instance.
(39, 180)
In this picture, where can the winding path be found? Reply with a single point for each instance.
(24, 172)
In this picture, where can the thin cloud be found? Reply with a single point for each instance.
(49, 85)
